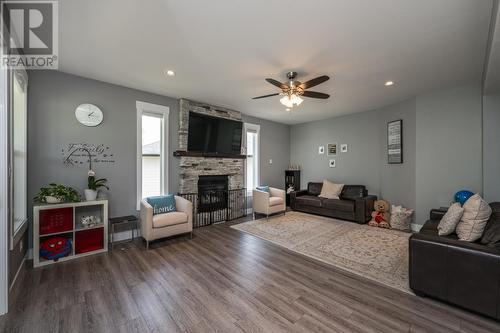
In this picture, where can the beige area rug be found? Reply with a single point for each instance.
(374, 253)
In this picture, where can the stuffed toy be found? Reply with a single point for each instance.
(55, 248)
(380, 215)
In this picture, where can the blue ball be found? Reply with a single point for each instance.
(462, 196)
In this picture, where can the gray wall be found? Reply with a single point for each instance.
(491, 146)
(366, 160)
(449, 137)
(275, 145)
(441, 149)
(53, 97)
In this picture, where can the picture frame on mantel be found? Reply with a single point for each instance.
(395, 142)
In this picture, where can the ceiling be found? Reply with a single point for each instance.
(222, 50)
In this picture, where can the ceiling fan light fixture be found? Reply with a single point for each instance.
(291, 100)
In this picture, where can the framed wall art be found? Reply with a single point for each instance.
(332, 149)
(395, 142)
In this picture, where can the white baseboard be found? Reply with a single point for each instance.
(19, 271)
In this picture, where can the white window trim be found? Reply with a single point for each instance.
(145, 108)
(4, 190)
(254, 128)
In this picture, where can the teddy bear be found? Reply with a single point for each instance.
(380, 215)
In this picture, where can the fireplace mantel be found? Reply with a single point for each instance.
(179, 153)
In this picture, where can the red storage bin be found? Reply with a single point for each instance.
(89, 240)
(55, 220)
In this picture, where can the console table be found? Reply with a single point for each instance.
(65, 222)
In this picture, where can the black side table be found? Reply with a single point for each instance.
(129, 219)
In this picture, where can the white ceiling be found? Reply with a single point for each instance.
(222, 50)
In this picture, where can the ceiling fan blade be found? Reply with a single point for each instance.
(264, 96)
(314, 82)
(315, 94)
(277, 83)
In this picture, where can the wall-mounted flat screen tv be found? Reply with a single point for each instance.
(213, 135)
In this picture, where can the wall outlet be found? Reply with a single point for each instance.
(270, 161)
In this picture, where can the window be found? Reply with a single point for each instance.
(251, 136)
(152, 150)
(18, 153)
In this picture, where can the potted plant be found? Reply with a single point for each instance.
(56, 193)
(94, 185)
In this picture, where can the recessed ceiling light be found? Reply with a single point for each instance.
(170, 72)
(389, 83)
(288, 109)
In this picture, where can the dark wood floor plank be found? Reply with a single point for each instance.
(222, 280)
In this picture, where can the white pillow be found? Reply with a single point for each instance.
(449, 222)
(476, 215)
(331, 190)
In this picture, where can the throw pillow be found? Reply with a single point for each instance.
(162, 204)
(330, 190)
(476, 215)
(449, 222)
(263, 188)
(401, 218)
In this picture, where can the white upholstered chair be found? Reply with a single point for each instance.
(163, 225)
(269, 203)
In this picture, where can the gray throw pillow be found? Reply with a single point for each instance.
(476, 215)
(449, 222)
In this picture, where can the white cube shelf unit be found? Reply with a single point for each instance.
(65, 220)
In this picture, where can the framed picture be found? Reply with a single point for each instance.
(343, 148)
(331, 163)
(395, 142)
(332, 149)
(321, 150)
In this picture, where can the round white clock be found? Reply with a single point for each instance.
(88, 114)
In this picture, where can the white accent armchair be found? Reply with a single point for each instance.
(164, 225)
(269, 203)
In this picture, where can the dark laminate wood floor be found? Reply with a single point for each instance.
(222, 280)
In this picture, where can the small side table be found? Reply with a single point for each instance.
(129, 219)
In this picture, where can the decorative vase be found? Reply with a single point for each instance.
(52, 200)
(90, 195)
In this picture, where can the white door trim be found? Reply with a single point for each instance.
(164, 111)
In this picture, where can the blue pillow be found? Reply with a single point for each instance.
(263, 188)
(162, 204)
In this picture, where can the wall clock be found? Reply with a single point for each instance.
(88, 114)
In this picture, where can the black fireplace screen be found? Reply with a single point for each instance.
(217, 205)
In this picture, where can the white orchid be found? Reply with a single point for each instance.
(91, 173)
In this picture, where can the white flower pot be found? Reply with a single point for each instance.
(52, 200)
(90, 195)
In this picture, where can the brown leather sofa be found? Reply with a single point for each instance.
(457, 272)
(354, 204)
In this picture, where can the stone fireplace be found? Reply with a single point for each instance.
(194, 167)
(215, 185)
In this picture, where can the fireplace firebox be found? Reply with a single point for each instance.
(212, 193)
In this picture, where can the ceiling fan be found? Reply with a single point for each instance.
(293, 89)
